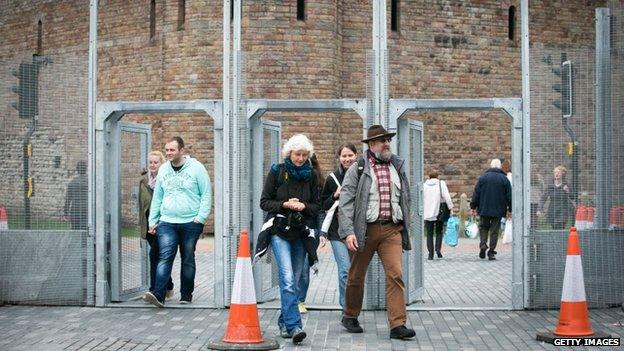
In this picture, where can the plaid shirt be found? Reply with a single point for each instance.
(382, 172)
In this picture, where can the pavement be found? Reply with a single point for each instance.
(465, 306)
(459, 280)
(87, 328)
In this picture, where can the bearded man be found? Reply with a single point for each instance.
(374, 217)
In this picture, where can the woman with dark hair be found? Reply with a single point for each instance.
(347, 154)
(435, 193)
(291, 194)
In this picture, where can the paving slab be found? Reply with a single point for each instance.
(88, 328)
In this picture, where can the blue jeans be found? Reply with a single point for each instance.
(154, 257)
(343, 262)
(289, 257)
(170, 235)
(304, 280)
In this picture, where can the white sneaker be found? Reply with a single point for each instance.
(302, 308)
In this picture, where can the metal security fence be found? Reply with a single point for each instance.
(576, 163)
(45, 247)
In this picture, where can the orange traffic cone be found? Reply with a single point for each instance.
(573, 313)
(4, 219)
(243, 328)
(616, 218)
(582, 215)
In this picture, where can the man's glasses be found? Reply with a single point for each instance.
(385, 140)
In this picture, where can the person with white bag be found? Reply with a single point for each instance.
(347, 154)
(435, 193)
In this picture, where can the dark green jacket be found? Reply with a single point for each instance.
(145, 199)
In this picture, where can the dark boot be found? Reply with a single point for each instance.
(352, 325)
(401, 332)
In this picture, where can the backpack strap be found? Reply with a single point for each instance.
(282, 174)
(361, 164)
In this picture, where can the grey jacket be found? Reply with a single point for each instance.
(354, 202)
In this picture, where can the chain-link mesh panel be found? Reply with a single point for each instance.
(133, 259)
(43, 197)
(370, 87)
(270, 276)
(415, 277)
(576, 158)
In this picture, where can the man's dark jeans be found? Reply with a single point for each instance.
(170, 235)
(489, 226)
(152, 240)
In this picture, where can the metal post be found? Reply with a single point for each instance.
(227, 142)
(522, 174)
(380, 77)
(236, 127)
(95, 226)
(603, 118)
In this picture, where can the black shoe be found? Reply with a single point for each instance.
(352, 325)
(430, 257)
(482, 253)
(401, 332)
(185, 300)
(439, 254)
(491, 255)
(298, 335)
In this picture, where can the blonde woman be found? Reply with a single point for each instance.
(561, 205)
(146, 189)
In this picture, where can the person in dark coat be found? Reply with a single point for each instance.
(347, 154)
(561, 206)
(491, 200)
(76, 198)
(291, 189)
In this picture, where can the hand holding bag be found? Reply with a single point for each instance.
(472, 228)
(508, 234)
(444, 212)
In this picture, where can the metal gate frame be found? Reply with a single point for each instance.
(107, 119)
(227, 124)
(414, 288)
(513, 107)
(256, 108)
(256, 167)
(117, 293)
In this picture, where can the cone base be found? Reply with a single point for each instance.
(549, 337)
(267, 344)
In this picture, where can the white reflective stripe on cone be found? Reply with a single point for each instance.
(243, 291)
(573, 283)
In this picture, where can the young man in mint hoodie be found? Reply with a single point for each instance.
(180, 205)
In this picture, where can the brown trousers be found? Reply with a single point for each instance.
(385, 239)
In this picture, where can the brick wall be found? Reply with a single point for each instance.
(444, 49)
